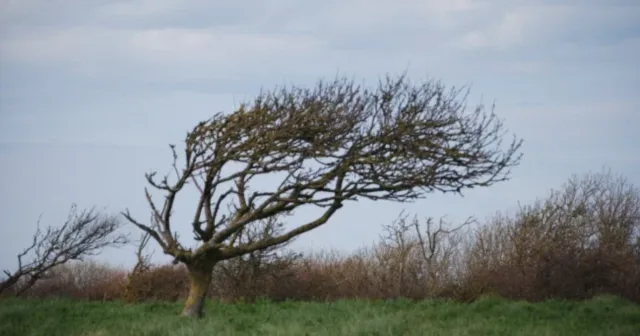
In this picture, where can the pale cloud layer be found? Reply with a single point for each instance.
(92, 91)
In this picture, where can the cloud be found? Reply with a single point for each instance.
(193, 52)
(202, 46)
(540, 24)
(194, 40)
(198, 39)
(514, 28)
(141, 8)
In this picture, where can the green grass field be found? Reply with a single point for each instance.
(489, 316)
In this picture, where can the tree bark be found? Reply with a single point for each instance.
(199, 280)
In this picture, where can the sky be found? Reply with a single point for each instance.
(92, 93)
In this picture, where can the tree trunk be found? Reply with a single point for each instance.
(199, 280)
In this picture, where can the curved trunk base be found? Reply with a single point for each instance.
(193, 307)
(199, 280)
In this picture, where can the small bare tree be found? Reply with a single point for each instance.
(395, 254)
(143, 264)
(83, 234)
(425, 256)
(439, 249)
(335, 143)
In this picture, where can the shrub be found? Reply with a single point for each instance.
(579, 242)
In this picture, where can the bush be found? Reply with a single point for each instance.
(81, 280)
(579, 242)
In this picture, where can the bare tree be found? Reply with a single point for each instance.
(143, 265)
(440, 250)
(84, 234)
(427, 256)
(329, 145)
(395, 253)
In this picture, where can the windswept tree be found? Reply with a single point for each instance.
(85, 233)
(328, 145)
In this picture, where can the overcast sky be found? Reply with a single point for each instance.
(91, 92)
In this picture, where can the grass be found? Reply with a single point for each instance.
(604, 315)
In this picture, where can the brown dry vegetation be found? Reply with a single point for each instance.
(578, 242)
